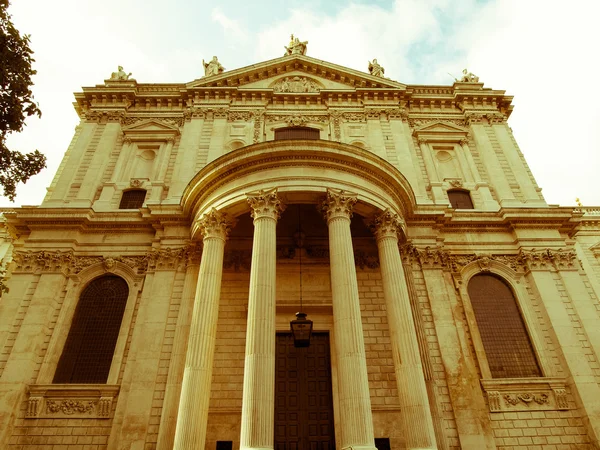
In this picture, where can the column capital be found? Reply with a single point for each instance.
(338, 204)
(387, 225)
(215, 224)
(265, 203)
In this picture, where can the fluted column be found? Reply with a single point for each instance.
(258, 398)
(190, 432)
(354, 398)
(412, 390)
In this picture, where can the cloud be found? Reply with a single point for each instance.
(231, 27)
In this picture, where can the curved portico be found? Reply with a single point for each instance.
(339, 179)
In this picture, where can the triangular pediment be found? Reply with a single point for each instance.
(151, 125)
(439, 126)
(319, 75)
(150, 130)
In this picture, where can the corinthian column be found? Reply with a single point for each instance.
(258, 398)
(195, 389)
(355, 401)
(416, 414)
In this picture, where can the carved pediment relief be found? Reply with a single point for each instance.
(150, 130)
(296, 84)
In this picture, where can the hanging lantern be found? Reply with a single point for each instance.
(301, 330)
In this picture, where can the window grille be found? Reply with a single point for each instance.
(133, 199)
(507, 346)
(297, 133)
(92, 338)
(460, 199)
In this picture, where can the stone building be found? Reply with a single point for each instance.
(151, 292)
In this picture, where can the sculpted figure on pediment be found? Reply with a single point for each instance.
(120, 75)
(295, 47)
(469, 77)
(375, 68)
(213, 67)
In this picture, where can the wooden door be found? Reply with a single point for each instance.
(303, 402)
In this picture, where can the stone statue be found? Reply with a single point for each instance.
(213, 67)
(120, 75)
(295, 47)
(469, 77)
(375, 69)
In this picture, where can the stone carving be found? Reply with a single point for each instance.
(494, 400)
(297, 120)
(120, 75)
(354, 116)
(335, 118)
(455, 182)
(541, 259)
(495, 117)
(258, 118)
(295, 47)
(526, 398)
(104, 406)
(69, 407)
(67, 262)
(109, 264)
(472, 117)
(192, 254)
(205, 113)
(165, 259)
(337, 204)
(468, 77)
(296, 84)
(33, 406)
(136, 182)
(375, 69)
(561, 398)
(213, 67)
(265, 203)
(215, 224)
(387, 224)
(239, 115)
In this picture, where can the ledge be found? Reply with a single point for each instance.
(74, 401)
(526, 394)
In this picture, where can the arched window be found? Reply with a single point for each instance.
(507, 346)
(297, 133)
(133, 199)
(90, 345)
(460, 199)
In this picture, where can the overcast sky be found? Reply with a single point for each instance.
(545, 53)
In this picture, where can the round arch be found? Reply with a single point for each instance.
(302, 171)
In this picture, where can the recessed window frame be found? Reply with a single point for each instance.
(76, 284)
(297, 130)
(515, 281)
(128, 192)
(464, 193)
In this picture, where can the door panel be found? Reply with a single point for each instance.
(303, 401)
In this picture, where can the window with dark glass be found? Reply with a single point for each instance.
(297, 133)
(133, 199)
(460, 199)
(507, 346)
(90, 345)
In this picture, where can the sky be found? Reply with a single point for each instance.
(544, 52)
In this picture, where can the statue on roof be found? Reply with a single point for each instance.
(213, 67)
(469, 77)
(295, 47)
(375, 68)
(120, 75)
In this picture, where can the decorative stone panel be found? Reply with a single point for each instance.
(73, 401)
(526, 394)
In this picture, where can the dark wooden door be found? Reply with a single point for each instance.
(303, 402)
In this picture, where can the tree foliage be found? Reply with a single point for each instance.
(16, 104)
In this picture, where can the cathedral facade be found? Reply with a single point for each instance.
(151, 293)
